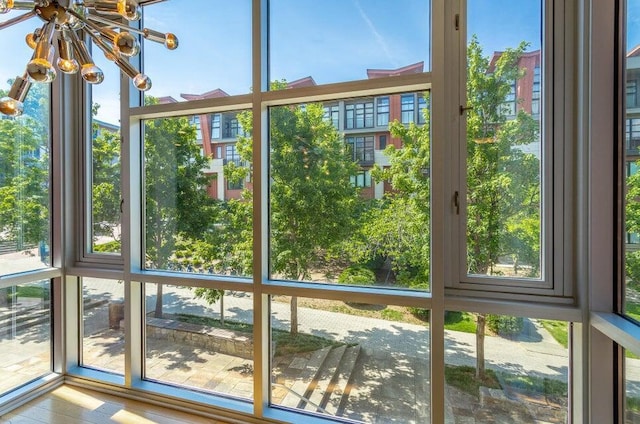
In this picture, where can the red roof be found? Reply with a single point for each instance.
(415, 68)
(213, 94)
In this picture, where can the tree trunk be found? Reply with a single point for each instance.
(294, 315)
(481, 323)
(158, 312)
(222, 308)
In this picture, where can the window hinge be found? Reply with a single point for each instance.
(456, 202)
(457, 22)
(121, 205)
(463, 109)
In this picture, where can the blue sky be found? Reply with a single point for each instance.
(330, 40)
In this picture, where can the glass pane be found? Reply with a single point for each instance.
(105, 161)
(504, 149)
(103, 327)
(24, 162)
(214, 34)
(363, 362)
(25, 331)
(504, 369)
(344, 41)
(194, 221)
(200, 338)
(632, 388)
(632, 154)
(342, 210)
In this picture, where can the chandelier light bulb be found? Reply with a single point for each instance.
(91, 73)
(12, 104)
(40, 68)
(126, 44)
(171, 41)
(142, 82)
(129, 9)
(31, 40)
(68, 66)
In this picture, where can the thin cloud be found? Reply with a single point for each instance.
(376, 35)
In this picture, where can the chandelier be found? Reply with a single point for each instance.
(63, 20)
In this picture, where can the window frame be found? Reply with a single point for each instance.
(448, 291)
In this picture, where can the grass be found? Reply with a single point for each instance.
(464, 378)
(459, 321)
(285, 342)
(32, 291)
(558, 329)
(532, 384)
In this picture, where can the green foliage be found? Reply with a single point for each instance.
(559, 330)
(357, 275)
(392, 315)
(459, 321)
(504, 325)
(106, 186)
(503, 196)
(24, 173)
(464, 378)
(632, 268)
(111, 246)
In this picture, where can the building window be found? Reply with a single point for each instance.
(535, 95)
(509, 104)
(382, 111)
(362, 179)
(407, 107)
(215, 126)
(332, 115)
(232, 155)
(382, 142)
(422, 105)
(219, 152)
(632, 93)
(359, 115)
(632, 136)
(196, 122)
(360, 148)
(232, 128)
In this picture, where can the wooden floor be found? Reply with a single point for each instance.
(72, 405)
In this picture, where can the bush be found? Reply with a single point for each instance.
(357, 275)
(632, 268)
(505, 325)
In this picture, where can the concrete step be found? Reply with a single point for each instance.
(318, 388)
(306, 377)
(337, 394)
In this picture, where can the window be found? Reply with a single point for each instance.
(535, 96)
(407, 106)
(632, 93)
(232, 128)
(382, 110)
(345, 230)
(422, 107)
(632, 135)
(332, 115)
(360, 149)
(359, 115)
(509, 104)
(382, 142)
(362, 179)
(215, 126)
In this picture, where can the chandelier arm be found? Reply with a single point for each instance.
(17, 19)
(115, 24)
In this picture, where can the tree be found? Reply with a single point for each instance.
(24, 174)
(177, 204)
(105, 183)
(312, 201)
(503, 182)
(397, 228)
